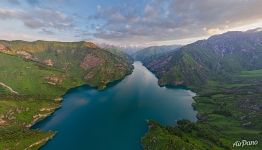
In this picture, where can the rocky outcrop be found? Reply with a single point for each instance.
(53, 80)
(4, 49)
(58, 99)
(10, 115)
(91, 45)
(49, 62)
(91, 61)
(37, 118)
(25, 55)
(41, 142)
(2, 120)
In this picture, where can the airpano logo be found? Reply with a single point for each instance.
(244, 143)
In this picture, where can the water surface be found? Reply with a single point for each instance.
(115, 118)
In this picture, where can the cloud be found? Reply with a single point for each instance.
(174, 19)
(39, 18)
(18, 2)
(7, 35)
(13, 1)
(39, 2)
(131, 22)
(33, 2)
(46, 31)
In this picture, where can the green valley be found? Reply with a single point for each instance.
(130, 74)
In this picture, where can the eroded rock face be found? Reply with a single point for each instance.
(3, 48)
(91, 61)
(25, 55)
(2, 121)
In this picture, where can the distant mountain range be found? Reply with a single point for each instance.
(128, 49)
(151, 53)
(217, 57)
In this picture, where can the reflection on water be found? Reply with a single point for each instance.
(115, 118)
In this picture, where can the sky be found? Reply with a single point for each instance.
(126, 22)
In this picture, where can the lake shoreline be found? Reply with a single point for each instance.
(208, 102)
(113, 85)
(35, 122)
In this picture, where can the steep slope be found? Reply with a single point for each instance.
(225, 71)
(214, 58)
(148, 54)
(120, 53)
(33, 77)
(83, 59)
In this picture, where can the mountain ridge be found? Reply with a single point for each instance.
(34, 77)
(153, 52)
(225, 72)
(68, 56)
(220, 54)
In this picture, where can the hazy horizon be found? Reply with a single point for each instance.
(126, 23)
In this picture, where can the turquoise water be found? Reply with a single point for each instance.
(115, 118)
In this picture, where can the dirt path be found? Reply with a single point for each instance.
(9, 88)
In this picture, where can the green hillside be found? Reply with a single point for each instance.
(33, 77)
(83, 59)
(225, 72)
(215, 58)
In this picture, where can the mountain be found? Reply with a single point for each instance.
(225, 71)
(214, 58)
(119, 52)
(151, 53)
(127, 49)
(96, 66)
(35, 75)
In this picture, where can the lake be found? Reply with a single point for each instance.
(115, 118)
